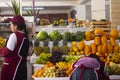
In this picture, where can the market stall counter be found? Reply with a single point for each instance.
(112, 77)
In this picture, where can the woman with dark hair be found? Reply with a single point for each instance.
(15, 52)
(89, 68)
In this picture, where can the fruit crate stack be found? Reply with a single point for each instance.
(105, 25)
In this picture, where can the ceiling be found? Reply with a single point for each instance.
(49, 5)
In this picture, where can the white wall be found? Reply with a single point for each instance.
(81, 12)
(98, 9)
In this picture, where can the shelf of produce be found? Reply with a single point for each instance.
(61, 29)
(112, 77)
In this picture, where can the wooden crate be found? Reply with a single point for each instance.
(106, 26)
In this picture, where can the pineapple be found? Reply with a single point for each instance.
(36, 42)
(37, 48)
(65, 49)
(55, 46)
(46, 48)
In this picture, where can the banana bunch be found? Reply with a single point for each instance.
(61, 65)
(115, 57)
(2, 42)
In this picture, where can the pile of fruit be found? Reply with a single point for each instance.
(56, 35)
(55, 65)
(43, 58)
(102, 43)
(113, 66)
(51, 71)
(60, 22)
(44, 22)
(2, 42)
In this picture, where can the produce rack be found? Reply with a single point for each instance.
(61, 29)
(106, 26)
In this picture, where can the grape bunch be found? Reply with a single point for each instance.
(56, 56)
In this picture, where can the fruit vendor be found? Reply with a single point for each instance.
(15, 52)
(89, 68)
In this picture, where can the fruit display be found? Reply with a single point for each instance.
(62, 55)
(59, 69)
(50, 71)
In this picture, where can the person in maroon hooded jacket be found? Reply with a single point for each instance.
(15, 52)
(89, 68)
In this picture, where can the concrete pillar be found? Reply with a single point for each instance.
(98, 9)
(81, 12)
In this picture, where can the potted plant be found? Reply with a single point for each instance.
(15, 7)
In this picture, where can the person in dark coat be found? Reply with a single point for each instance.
(89, 68)
(15, 52)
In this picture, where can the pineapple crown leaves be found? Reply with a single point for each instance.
(55, 42)
(36, 43)
(64, 42)
(46, 42)
(15, 7)
(30, 12)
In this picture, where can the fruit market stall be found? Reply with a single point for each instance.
(57, 52)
